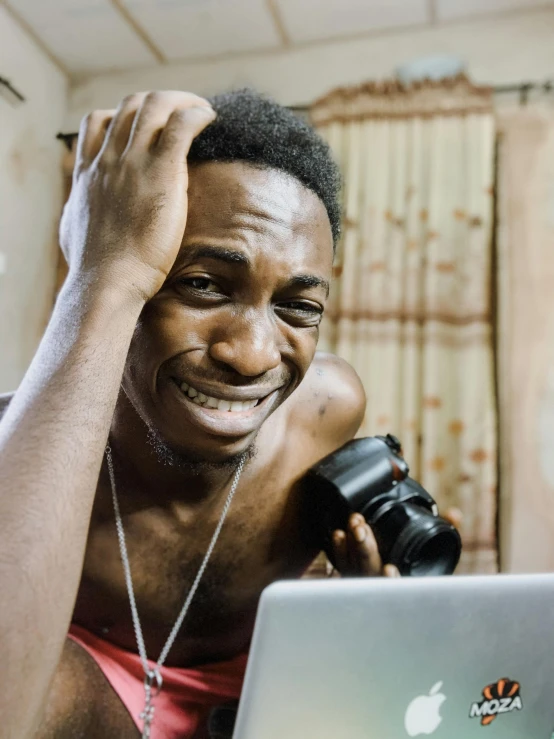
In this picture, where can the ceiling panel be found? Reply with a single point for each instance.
(183, 29)
(85, 35)
(311, 20)
(456, 9)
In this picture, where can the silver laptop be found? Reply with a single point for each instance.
(447, 658)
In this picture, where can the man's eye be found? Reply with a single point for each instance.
(302, 307)
(200, 284)
(308, 313)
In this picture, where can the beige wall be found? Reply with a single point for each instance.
(526, 336)
(30, 197)
(502, 50)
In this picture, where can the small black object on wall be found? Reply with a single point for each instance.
(9, 93)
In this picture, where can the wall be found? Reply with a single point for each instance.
(501, 50)
(30, 196)
(526, 334)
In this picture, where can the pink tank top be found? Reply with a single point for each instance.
(187, 696)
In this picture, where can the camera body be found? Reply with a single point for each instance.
(369, 476)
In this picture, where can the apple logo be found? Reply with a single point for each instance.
(423, 713)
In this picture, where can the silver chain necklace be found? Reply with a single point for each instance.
(152, 676)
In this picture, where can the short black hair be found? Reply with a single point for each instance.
(254, 128)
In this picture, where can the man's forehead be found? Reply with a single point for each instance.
(239, 195)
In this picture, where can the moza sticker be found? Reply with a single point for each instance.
(500, 697)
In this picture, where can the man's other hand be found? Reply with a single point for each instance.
(356, 553)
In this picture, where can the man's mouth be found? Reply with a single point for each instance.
(238, 411)
(208, 401)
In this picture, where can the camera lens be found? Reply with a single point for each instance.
(436, 553)
(419, 544)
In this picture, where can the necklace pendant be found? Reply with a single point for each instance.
(147, 716)
(152, 686)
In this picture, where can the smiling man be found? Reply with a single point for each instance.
(151, 460)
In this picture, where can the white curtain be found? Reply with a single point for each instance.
(411, 305)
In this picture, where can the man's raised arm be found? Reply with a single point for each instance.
(121, 232)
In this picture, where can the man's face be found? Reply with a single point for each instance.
(237, 319)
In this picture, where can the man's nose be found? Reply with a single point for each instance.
(248, 344)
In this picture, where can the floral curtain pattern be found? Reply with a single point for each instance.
(411, 307)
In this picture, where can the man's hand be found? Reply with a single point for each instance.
(125, 219)
(355, 550)
(356, 553)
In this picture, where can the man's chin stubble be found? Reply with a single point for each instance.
(190, 464)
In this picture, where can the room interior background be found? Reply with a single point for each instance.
(441, 305)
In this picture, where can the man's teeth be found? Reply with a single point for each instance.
(222, 405)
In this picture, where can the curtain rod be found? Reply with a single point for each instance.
(523, 88)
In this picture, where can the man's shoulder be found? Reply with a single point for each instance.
(4, 402)
(340, 379)
(331, 401)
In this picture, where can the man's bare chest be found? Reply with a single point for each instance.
(262, 540)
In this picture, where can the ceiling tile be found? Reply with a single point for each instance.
(87, 36)
(456, 9)
(184, 29)
(311, 20)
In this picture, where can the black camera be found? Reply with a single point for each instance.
(370, 476)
